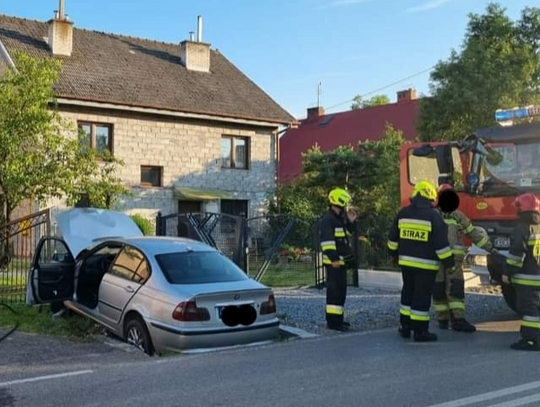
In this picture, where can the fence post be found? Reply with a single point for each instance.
(246, 245)
(159, 218)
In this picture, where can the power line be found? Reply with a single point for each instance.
(384, 87)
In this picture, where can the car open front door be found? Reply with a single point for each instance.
(52, 271)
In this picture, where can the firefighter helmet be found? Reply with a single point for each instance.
(426, 190)
(339, 197)
(527, 203)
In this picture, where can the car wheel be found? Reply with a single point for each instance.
(137, 334)
(509, 294)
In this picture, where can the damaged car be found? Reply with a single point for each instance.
(157, 293)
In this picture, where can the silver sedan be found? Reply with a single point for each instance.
(158, 293)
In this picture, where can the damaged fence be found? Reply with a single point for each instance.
(18, 241)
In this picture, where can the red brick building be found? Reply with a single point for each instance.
(330, 131)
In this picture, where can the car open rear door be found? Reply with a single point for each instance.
(52, 272)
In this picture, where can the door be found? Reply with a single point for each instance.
(52, 271)
(127, 274)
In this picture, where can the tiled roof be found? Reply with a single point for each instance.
(345, 128)
(131, 71)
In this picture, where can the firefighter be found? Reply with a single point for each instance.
(523, 270)
(418, 242)
(336, 226)
(449, 292)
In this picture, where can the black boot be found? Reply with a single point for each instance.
(443, 324)
(404, 331)
(347, 324)
(524, 344)
(462, 325)
(424, 336)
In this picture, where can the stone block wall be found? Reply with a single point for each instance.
(190, 154)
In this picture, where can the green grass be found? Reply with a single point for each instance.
(39, 320)
(294, 274)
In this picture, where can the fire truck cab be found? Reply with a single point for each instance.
(488, 169)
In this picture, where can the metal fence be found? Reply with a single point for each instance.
(18, 241)
(278, 250)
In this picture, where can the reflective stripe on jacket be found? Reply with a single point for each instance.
(459, 225)
(335, 232)
(523, 259)
(419, 237)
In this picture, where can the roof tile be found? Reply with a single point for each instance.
(132, 71)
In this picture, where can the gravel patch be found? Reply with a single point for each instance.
(371, 309)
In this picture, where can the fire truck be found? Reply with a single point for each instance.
(488, 169)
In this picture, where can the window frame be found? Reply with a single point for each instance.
(232, 158)
(147, 184)
(93, 139)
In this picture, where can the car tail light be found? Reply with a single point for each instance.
(269, 307)
(188, 311)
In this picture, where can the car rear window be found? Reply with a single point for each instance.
(199, 268)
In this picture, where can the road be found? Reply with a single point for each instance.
(372, 369)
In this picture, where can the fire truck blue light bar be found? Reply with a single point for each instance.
(504, 115)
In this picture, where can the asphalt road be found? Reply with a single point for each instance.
(372, 369)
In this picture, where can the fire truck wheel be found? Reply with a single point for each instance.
(509, 294)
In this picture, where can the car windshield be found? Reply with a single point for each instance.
(199, 268)
(511, 167)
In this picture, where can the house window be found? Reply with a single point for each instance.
(97, 136)
(235, 152)
(151, 176)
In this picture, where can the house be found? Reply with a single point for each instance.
(194, 132)
(330, 131)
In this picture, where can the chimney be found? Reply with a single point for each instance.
(405, 95)
(195, 55)
(60, 38)
(315, 112)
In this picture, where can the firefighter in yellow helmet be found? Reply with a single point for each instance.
(449, 293)
(337, 224)
(418, 241)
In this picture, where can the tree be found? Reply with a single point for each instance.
(38, 158)
(370, 172)
(498, 67)
(376, 100)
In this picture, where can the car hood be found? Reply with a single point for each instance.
(83, 227)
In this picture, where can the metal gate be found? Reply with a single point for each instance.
(265, 235)
(254, 244)
(221, 231)
(18, 241)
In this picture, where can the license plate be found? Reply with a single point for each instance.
(501, 241)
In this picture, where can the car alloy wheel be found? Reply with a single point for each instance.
(138, 336)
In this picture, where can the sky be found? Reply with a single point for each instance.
(289, 47)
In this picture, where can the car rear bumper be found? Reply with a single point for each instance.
(167, 337)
